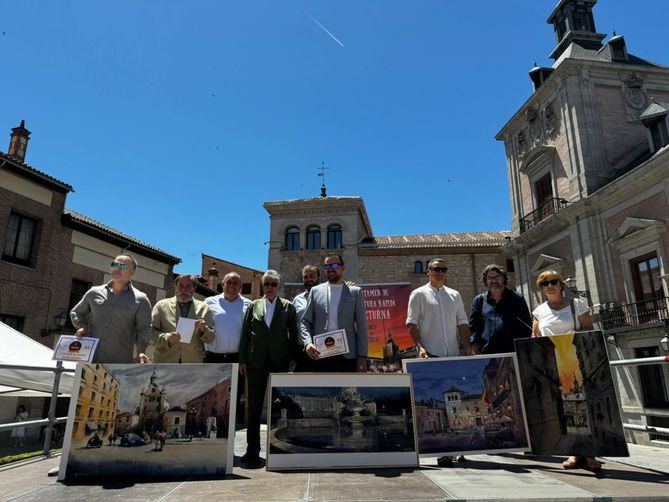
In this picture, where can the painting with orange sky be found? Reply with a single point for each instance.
(388, 337)
(570, 399)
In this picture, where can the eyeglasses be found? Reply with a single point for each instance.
(333, 266)
(121, 266)
(439, 270)
(552, 282)
(270, 284)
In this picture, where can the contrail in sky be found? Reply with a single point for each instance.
(323, 28)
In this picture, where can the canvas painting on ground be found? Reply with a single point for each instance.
(322, 421)
(468, 405)
(569, 396)
(150, 420)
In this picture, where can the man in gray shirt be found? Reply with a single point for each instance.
(118, 314)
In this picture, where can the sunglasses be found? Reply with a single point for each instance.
(441, 270)
(332, 266)
(552, 282)
(121, 266)
(270, 284)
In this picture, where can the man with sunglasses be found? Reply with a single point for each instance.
(335, 305)
(118, 314)
(437, 323)
(498, 316)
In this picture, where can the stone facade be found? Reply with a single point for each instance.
(607, 207)
(370, 259)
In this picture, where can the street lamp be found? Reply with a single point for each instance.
(664, 342)
(60, 320)
(570, 282)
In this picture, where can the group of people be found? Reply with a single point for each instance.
(273, 334)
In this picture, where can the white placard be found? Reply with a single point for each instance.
(185, 328)
(72, 348)
(331, 343)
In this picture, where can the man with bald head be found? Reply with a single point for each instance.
(227, 311)
(118, 314)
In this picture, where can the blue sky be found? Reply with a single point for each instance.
(175, 121)
(432, 379)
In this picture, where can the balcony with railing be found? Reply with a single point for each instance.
(634, 314)
(548, 208)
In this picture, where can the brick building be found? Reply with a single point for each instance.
(51, 255)
(304, 231)
(214, 269)
(588, 172)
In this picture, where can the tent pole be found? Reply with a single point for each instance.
(52, 408)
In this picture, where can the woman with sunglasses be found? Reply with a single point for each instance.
(556, 316)
(269, 344)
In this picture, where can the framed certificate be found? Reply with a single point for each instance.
(71, 348)
(331, 343)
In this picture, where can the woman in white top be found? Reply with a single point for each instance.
(557, 316)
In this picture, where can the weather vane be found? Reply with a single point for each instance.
(322, 171)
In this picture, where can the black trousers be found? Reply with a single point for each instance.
(335, 364)
(257, 386)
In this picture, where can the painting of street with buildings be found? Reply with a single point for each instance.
(150, 420)
(339, 420)
(570, 400)
(468, 405)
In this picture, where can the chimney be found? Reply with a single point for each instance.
(18, 144)
(213, 276)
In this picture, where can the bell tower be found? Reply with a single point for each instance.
(574, 23)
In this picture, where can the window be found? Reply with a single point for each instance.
(646, 277)
(313, 237)
(177, 420)
(246, 288)
(77, 291)
(293, 239)
(658, 133)
(13, 321)
(653, 385)
(543, 193)
(418, 267)
(19, 239)
(334, 237)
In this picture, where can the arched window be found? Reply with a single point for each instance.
(292, 238)
(334, 236)
(418, 267)
(313, 237)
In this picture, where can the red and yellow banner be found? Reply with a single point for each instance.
(386, 307)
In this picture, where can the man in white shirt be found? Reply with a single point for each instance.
(438, 323)
(228, 311)
(436, 317)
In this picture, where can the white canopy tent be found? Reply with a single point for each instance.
(19, 350)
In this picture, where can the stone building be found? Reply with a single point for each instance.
(588, 171)
(51, 255)
(304, 231)
(464, 411)
(96, 403)
(174, 422)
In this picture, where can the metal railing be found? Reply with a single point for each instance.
(51, 419)
(661, 433)
(634, 314)
(548, 208)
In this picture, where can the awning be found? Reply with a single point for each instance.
(18, 349)
(92, 425)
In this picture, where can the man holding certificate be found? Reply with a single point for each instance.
(181, 325)
(334, 325)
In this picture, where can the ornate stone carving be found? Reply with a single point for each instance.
(550, 120)
(636, 98)
(521, 142)
(534, 125)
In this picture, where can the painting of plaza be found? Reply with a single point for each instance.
(570, 400)
(150, 420)
(468, 405)
(341, 420)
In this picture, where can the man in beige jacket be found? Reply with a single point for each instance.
(164, 318)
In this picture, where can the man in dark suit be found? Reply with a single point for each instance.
(269, 344)
(334, 305)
